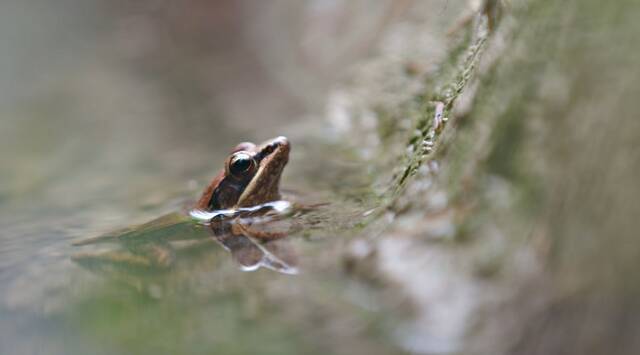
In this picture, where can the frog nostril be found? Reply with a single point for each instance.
(268, 150)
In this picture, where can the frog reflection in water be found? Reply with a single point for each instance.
(239, 208)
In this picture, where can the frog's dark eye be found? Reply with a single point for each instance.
(241, 164)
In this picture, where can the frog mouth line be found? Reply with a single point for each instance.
(271, 158)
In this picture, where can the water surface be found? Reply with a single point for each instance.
(124, 122)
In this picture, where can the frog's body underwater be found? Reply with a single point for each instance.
(246, 185)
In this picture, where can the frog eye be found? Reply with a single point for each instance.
(240, 164)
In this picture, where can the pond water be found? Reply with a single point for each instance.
(114, 114)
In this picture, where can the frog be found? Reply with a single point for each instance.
(233, 210)
(251, 176)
